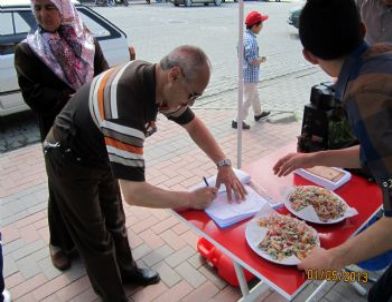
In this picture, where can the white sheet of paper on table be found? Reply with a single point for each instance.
(241, 175)
(321, 181)
(226, 213)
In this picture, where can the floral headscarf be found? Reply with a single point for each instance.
(68, 52)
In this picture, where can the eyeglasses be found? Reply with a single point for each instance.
(192, 96)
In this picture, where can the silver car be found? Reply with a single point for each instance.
(17, 21)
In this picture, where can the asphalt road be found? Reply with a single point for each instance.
(156, 29)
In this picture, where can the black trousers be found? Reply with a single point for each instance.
(381, 291)
(59, 235)
(90, 203)
(1, 271)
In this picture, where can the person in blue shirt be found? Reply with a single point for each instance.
(254, 23)
(364, 87)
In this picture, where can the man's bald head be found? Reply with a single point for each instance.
(192, 61)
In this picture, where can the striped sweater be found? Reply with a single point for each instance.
(109, 119)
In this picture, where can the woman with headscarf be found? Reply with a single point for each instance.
(52, 63)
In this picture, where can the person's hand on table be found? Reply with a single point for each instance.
(293, 161)
(202, 198)
(320, 259)
(227, 177)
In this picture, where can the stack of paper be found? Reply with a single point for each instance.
(226, 213)
(330, 178)
(241, 175)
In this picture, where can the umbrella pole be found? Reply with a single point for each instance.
(240, 80)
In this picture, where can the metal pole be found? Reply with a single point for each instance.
(241, 279)
(240, 80)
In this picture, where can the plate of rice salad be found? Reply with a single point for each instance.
(281, 239)
(316, 204)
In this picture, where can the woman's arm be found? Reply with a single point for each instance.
(41, 98)
(100, 63)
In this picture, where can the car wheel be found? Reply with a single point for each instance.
(218, 2)
(205, 3)
(188, 3)
(176, 3)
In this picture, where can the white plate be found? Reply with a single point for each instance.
(254, 234)
(309, 213)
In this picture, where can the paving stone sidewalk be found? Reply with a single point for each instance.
(158, 239)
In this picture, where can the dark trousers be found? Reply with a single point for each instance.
(90, 202)
(59, 235)
(381, 291)
(1, 271)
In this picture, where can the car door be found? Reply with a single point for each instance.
(112, 40)
(13, 29)
(17, 22)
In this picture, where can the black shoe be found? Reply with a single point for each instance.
(60, 260)
(141, 276)
(262, 115)
(245, 126)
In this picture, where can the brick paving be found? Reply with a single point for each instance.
(157, 238)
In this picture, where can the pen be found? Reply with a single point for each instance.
(205, 181)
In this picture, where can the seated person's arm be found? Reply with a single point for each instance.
(41, 98)
(345, 158)
(374, 241)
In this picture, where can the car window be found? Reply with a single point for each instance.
(13, 29)
(97, 29)
(13, 23)
(6, 27)
(21, 26)
(101, 28)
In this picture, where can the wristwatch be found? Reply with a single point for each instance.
(223, 163)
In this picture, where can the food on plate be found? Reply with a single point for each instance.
(328, 173)
(287, 236)
(326, 204)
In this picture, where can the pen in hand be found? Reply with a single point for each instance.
(205, 181)
(214, 190)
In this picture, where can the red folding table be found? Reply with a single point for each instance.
(286, 280)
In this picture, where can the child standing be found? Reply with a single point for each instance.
(254, 23)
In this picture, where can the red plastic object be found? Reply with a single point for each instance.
(220, 262)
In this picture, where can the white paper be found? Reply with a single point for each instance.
(323, 182)
(241, 175)
(226, 213)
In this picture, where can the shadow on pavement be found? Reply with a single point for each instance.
(18, 130)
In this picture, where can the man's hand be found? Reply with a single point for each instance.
(293, 161)
(227, 177)
(320, 259)
(202, 198)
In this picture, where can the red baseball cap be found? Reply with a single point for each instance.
(255, 17)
